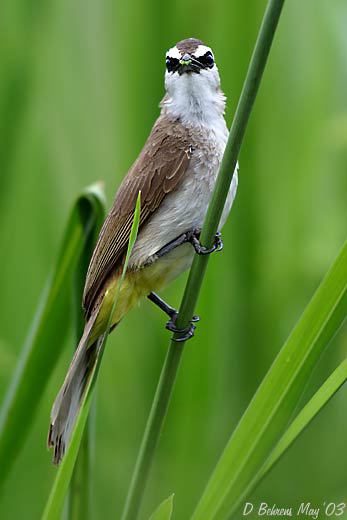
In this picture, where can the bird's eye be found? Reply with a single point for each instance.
(171, 64)
(207, 60)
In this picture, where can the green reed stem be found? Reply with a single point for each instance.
(168, 375)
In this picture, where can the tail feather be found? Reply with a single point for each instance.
(68, 400)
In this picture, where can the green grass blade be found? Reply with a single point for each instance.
(80, 492)
(61, 483)
(132, 240)
(46, 337)
(56, 498)
(164, 511)
(269, 412)
(79, 498)
(307, 414)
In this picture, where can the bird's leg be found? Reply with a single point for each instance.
(173, 313)
(159, 302)
(192, 237)
(182, 239)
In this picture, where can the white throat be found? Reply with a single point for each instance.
(194, 98)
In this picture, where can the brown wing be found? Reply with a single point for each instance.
(157, 171)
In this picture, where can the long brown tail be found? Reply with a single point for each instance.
(68, 400)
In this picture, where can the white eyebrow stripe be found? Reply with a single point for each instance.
(174, 53)
(201, 50)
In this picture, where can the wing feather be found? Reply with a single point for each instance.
(158, 171)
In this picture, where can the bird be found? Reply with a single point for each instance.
(175, 174)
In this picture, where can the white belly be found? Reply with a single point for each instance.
(179, 213)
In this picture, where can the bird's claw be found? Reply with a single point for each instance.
(185, 333)
(194, 239)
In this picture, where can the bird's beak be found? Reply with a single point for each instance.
(186, 59)
(186, 64)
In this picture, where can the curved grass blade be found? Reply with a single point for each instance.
(46, 337)
(270, 410)
(79, 499)
(56, 498)
(164, 511)
(306, 415)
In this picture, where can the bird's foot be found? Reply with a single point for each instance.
(185, 333)
(173, 314)
(194, 238)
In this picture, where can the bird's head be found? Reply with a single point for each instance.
(191, 61)
(192, 79)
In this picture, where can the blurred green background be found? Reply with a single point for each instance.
(80, 84)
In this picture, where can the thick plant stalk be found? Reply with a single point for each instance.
(197, 272)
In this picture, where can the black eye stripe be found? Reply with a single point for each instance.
(202, 62)
(171, 64)
(206, 60)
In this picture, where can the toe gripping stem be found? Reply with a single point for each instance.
(194, 238)
(186, 333)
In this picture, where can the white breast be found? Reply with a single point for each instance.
(185, 208)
